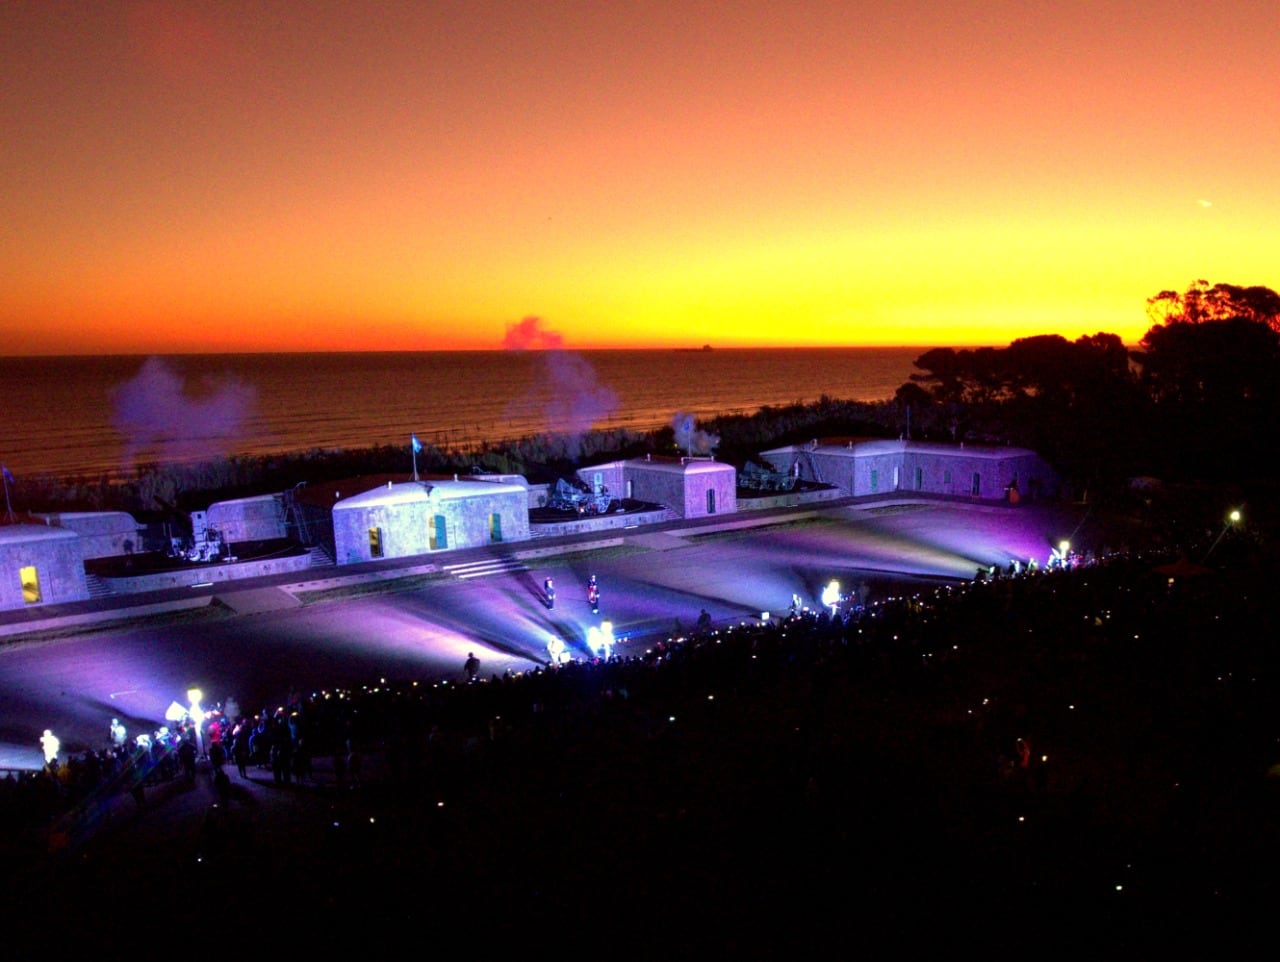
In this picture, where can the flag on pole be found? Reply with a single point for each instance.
(415, 446)
(8, 480)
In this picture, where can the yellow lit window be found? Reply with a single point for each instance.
(30, 584)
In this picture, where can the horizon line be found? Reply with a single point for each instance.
(516, 350)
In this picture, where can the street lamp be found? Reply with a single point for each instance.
(1233, 517)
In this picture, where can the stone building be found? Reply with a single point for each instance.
(864, 468)
(103, 534)
(691, 487)
(41, 565)
(259, 518)
(420, 517)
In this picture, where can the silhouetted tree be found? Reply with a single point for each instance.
(1221, 302)
(1215, 388)
(970, 376)
(1076, 402)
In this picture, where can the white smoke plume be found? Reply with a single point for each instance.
(690, 437)
(569, 398)
(158, 418)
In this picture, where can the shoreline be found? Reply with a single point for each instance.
(453, 447)
(99, 416)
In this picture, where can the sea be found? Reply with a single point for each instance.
(89, 416)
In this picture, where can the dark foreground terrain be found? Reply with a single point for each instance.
(1095, 746)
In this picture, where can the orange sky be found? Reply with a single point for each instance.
(420, 175)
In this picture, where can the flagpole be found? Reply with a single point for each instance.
(7, 505)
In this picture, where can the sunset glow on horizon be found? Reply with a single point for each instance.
(207, 177)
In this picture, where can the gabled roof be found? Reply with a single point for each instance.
(327, 493)
(251, 499)
(882, 446)
(52, 517)
(681, 466)
(420, 492)
(26, 533)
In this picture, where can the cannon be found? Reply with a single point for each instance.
(573, 494)
(756, 478)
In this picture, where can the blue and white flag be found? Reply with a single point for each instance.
(415, 443)
(7, 475)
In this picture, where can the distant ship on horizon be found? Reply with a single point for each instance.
(705, 347)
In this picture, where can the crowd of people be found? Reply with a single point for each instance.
(1096, 727)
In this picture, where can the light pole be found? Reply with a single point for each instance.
(1061, 554)
(1233, 517)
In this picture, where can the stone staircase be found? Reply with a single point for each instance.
(481, 569)
(98, 586)
(320, 558)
